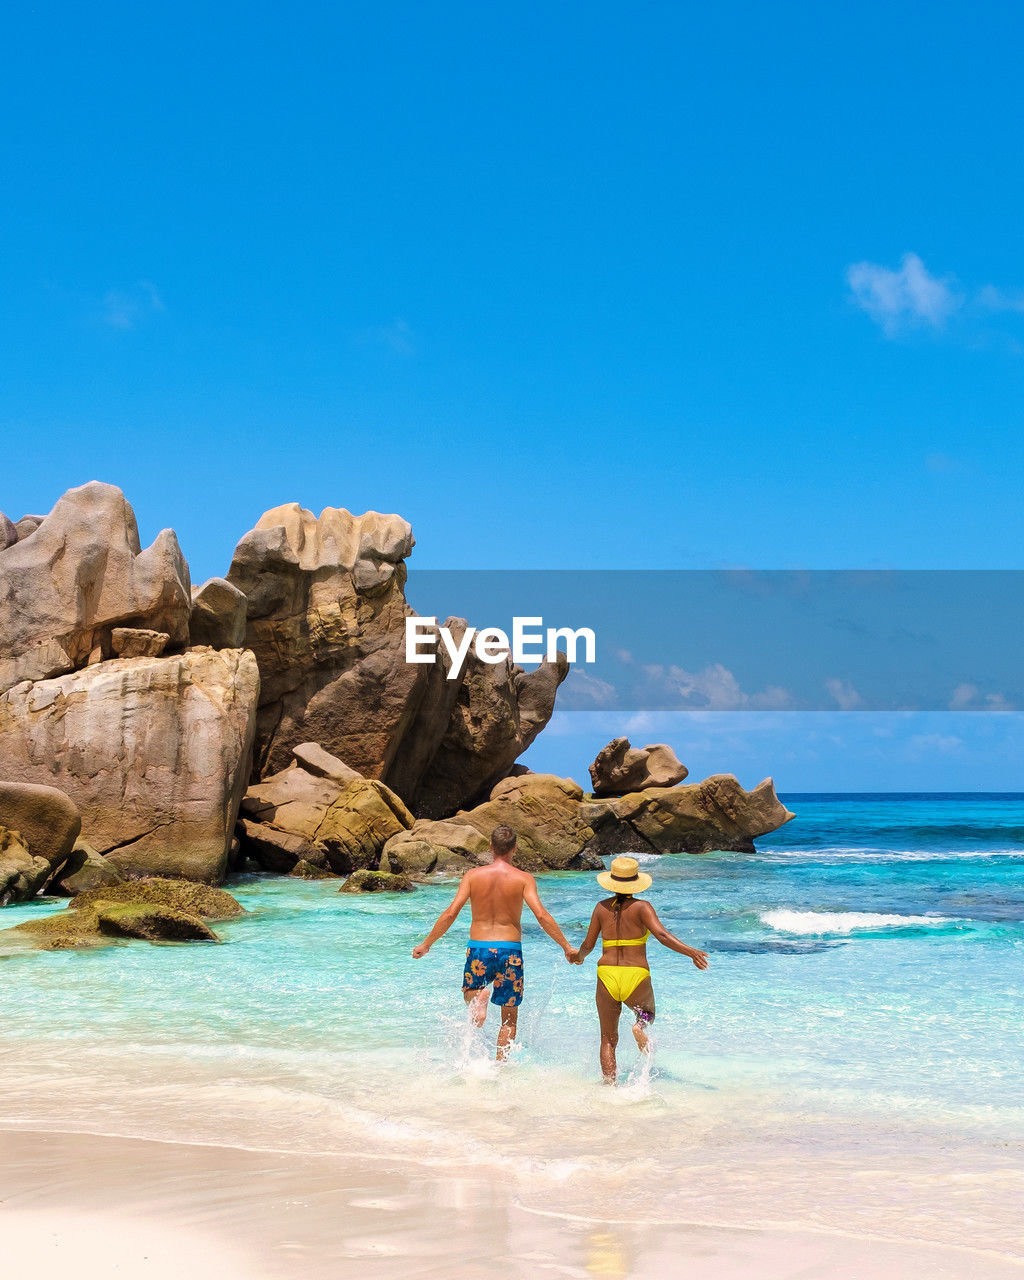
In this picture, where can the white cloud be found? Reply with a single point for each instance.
(994, 299)
(846, 696)
(126, 308)
(968, 697)
(963, 696)
(715, 688)
(933, 744)
(909, 297)
(581, 692)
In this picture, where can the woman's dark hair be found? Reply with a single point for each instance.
(620, 901)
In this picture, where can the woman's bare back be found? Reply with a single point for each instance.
(628, 921)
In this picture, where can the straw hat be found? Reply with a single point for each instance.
(624, 876)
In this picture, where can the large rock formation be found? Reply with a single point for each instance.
(80, 573)
(714, 814)
(38, 829)
(499, 711)
(154, 751)
(545, 811)
(620, 768)
(325, 617)
(339, 823)
(561, 829)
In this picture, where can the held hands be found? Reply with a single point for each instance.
(572, 954)
(419, 952)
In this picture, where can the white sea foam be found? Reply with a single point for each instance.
(864, 853)
(819, 922)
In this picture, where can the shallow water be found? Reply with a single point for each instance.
(851, 1058)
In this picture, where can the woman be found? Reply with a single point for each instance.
(623, 976)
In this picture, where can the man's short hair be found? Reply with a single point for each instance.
(503, 840)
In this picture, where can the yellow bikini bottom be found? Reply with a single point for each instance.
(621, 980)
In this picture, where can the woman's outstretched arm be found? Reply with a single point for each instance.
(658, 930)
(593, 933)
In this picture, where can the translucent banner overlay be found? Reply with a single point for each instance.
(775, 640)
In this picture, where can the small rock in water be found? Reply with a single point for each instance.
(304, 870)
(153, 923)
(200, 900)
(376, 882)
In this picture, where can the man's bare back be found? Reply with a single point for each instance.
(496, 896)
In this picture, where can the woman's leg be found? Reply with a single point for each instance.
(608, 1011)
(642, 1004)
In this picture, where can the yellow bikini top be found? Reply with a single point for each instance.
(626, 942)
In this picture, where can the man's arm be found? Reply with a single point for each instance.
(593, 933)
(445, 920)
(544, 918)
(658, 930)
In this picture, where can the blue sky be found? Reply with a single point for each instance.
(594, 286)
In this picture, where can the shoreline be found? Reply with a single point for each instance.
(243, 1214)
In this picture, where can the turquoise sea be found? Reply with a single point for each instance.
(850, 1061)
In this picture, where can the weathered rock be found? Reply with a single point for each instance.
(81, 573)
(714, 814)
(499, 712)
(154, 751)
(27, 525)
(349, 821)
(326, 618)
(152, 923)
(279, 851)
(304, 870)
(84, 869)
(63, 931)
(544, 811)
(137, 642)
(547, 816)
(218, 615)
(376, 882)
(21, 874)
(48, 823)
(202, 900)
(102, 917)
(450, 845)
(620, 768)
(8, 532)
(315, 760)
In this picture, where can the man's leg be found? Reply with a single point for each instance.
(608, 1011)
(507, 1030)
(476, 1002)
(642, 1004)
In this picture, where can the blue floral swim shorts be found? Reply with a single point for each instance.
(497, 962)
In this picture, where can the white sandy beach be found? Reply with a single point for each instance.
(112, 1206)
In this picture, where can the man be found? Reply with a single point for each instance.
(496, 894)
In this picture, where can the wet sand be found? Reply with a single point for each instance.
(98, 1206)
